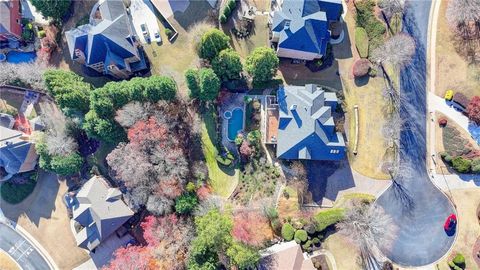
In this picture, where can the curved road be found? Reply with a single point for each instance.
(17, 246)
(419, 238)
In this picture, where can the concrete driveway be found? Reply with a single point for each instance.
(21, 250)
(419, 212)
(142, 12)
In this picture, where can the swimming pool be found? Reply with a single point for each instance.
(21, 57)
(235, 123)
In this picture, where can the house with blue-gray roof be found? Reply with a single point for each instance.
(17, 153)
(107, 44)
(306, 129)
(300, 28)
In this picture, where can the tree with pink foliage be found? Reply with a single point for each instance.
(132, 258)
(251, 228)
(245, 150)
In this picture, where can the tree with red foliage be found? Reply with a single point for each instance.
(132, 258)
(169, 239)
(473, 110)
(203, 192)
(245, 150)
(152, 165)
(251, 228)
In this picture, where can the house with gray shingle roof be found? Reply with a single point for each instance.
(107, 44)
(300, 29)
(286, 255)
(17, 153)
(306, 129)
(98, 211)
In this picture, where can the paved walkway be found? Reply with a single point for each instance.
(436, 103)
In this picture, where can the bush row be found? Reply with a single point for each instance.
(461, 164)
(227, 11)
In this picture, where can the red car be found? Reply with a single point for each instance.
(450, 223)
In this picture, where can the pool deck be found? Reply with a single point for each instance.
(231, 103)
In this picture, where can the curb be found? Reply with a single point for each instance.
(31, 240)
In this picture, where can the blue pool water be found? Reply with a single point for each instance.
(21, 57)
(235, 123)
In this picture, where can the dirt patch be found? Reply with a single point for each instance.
(44, 216)
(7, 263)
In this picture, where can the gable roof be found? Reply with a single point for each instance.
(285, 256)
(303, 25)
(109, 39)
(17, 154)
(100, 210)
(306, 127)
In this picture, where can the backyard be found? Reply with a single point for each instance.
(222, 180)
(467, 76)
(259, 33)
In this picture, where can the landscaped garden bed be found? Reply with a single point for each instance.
(18, 188)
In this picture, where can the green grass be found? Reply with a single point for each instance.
(361, 42)
(327, 218)
(222, 180)
(359, 196)
(16, 193)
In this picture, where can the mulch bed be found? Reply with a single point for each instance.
(475, 252)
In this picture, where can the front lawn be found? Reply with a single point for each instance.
(14, 193)
(222, 180)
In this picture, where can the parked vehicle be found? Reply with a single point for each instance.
(450, 223)
(145, 32)
(449, 95)
(157, 37)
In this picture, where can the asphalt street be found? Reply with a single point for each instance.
(420, 211)
(21, 250)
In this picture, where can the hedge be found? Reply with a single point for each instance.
(461, 165)
(361, 42)
(288, 231)
(300, 236)
(329, 217)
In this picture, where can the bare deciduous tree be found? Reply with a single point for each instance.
(132, 112)
(366, 226)
(57, 137)
(23, 74)
(212, 202)
(398, 51)
(391, 7)
(463, 17)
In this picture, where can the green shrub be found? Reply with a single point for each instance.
(307, 245)
(459, 261)
(453, 266)
(476, 165)
(227, 11)
(288, 231)
(327, 218)
(168, 32)
(372, 72)
(361, 42)
(316, 241)
(222, 19)
(185, 203)
(365, 18)
(223, 160)
(461, 165)
(16, 193)
(41, 34)
(232, 4)
(301, 236)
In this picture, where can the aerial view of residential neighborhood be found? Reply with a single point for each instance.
(239, 134)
